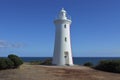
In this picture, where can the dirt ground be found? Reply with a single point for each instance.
(39, 72)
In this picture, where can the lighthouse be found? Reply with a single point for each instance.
(62, 48)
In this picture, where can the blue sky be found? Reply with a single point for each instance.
(27, 29)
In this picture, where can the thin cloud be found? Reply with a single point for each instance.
(17, 45)
(5, 44)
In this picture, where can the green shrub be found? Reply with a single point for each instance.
(9, 63)
(12, 61)
(89, 64)
(16, 60)
(47, 62)
(3, 64)
(118, 69)
(35, 62)
(109, 65)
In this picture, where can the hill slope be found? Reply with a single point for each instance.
(38, 72)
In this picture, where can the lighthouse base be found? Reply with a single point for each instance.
(63, 65)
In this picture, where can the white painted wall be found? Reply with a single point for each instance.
(61, 46)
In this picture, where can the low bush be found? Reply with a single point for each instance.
(109, 65)
(9, 63)
(16, 60)
(47, 62)
(6, 63)
(3, 64)
(12, 61)
(89, 64)
(35, 62)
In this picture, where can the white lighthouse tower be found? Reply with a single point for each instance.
(62, 48)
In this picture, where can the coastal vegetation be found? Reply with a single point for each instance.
(47, 62)
(89, 64)
(35, 62)
(44, 62)
(104, 65)
(109, 65)
(12, 61)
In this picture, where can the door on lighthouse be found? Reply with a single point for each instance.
(66, 58)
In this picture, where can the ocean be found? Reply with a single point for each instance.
(76, 60)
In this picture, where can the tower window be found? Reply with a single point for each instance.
(65, 39)
(65, 26)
